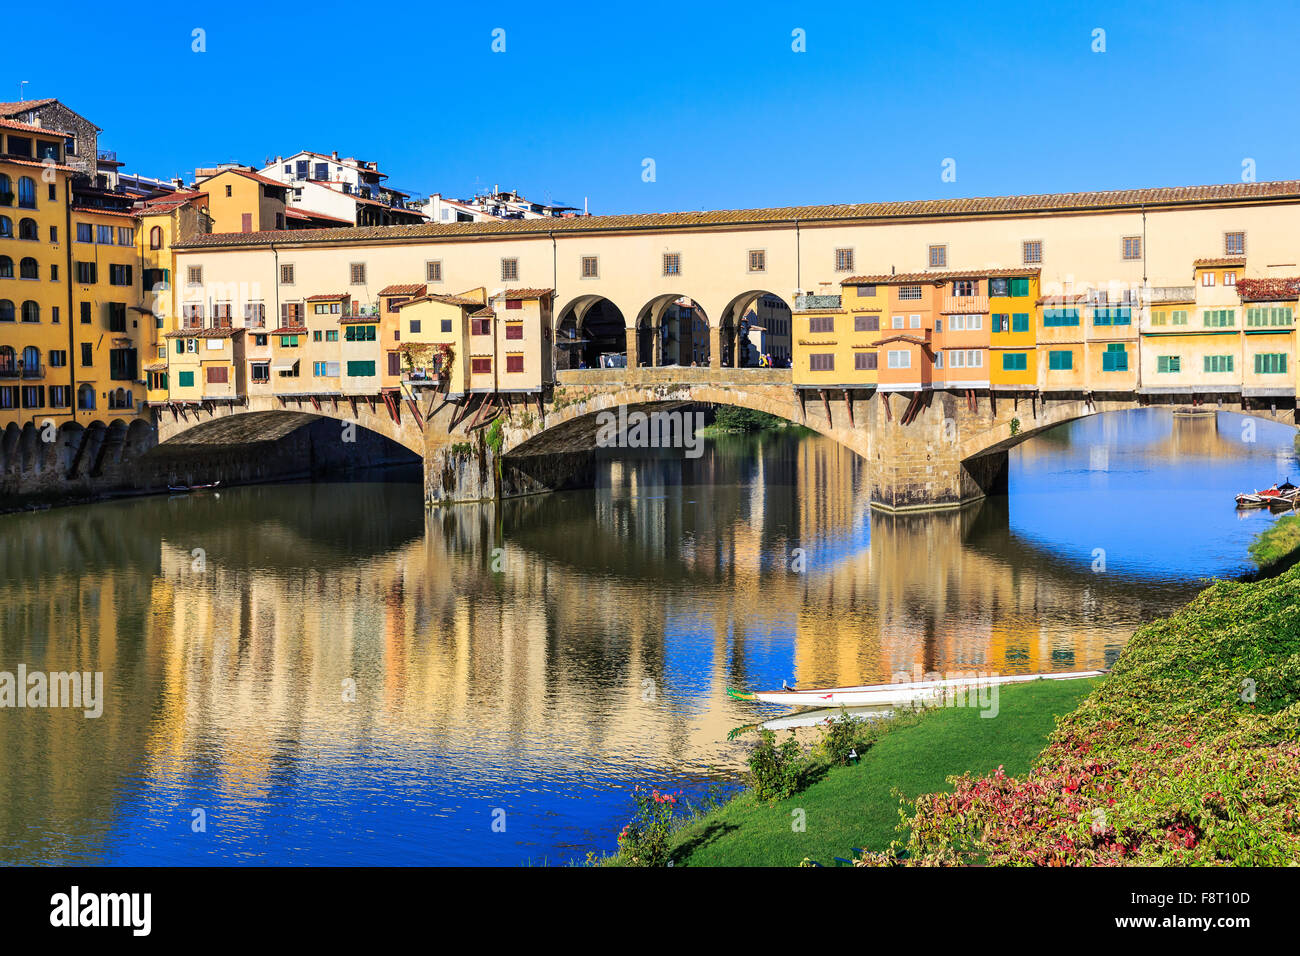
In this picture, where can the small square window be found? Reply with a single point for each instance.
(286, 274)
(938, 257)
(1132, 247)
(1033, 251)
(194, 275)
(509, 270)
(357, 273)
(433, 271)
(672, 263)
(843, 260)
(1234, 243)
(590, 267)
(757, 260)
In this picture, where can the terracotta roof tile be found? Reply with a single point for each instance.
(289, 330)
(328, 297)
(1223, 261)
(1114, 199)
(414, 288)
(483, 313)
(526, 293)
(203, 334)
(912, 278)
(359, 319)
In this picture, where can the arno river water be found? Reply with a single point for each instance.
(543, 658)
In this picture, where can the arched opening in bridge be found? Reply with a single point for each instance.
(590, 332)
(672, 329)
(754, 330)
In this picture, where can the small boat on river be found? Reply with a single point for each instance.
(894, 695)
(182, 489)
(1285, 494)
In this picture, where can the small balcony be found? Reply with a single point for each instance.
(964, 305)
(24, 371)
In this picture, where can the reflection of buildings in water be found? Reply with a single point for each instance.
(473, 663)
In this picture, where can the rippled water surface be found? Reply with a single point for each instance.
(542, 658)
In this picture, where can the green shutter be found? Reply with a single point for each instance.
(186, 379)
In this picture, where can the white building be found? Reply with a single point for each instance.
(342, 187)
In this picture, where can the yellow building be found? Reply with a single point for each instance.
(435, 332)
(1062, 359)
(161, 223)
(823, 351)
(1268, 347)
(1013, 311)
(36, 329)
(1191, 335)
(241, 200)
(105, 280)
(523, 359)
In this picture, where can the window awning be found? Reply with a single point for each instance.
(285, 366)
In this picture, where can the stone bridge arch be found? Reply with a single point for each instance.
(267, 418)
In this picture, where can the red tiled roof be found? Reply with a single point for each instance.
(294, 212)
(22, 106)
(910, 278)
(35, 162)
(526, 293)
(329, 296)
(1223, 261)
(249, 174)
(1000, 206)
(448, 299)
(483, 313)
(28, 127)
(289, 330)
(203, 333)
(359, 319)
(413, 288)
(90, 210)
(1269, 290)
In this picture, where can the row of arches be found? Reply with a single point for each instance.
(672, 329)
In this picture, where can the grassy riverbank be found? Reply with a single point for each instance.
(1278, 545)
(854, 806)
(1187, 754)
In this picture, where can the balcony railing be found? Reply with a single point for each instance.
(965, 304)
(1172, 293)
(803, 302)
(22, 371)
(106, 155)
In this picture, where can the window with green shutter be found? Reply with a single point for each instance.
(1001, 322)
(361, 369)
(1269, 316)
(1270, 363)
(1014, 361)
(1114, 359)
(1219, 318)
(186, 379)
(1020, 322)
(1218, 363)
(1019, 288)
(1061, 360)
(1178, 317)
(1169, 363)
(1055, 318)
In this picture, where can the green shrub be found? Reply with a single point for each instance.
(838, 739)
(644, 841)
(776, 772)
(730, 418)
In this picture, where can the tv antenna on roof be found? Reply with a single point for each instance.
(21, 84)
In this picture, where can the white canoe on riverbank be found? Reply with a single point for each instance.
(895, 695)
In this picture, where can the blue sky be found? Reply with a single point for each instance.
(730, 114)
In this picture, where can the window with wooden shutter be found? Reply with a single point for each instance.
(514, 363)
